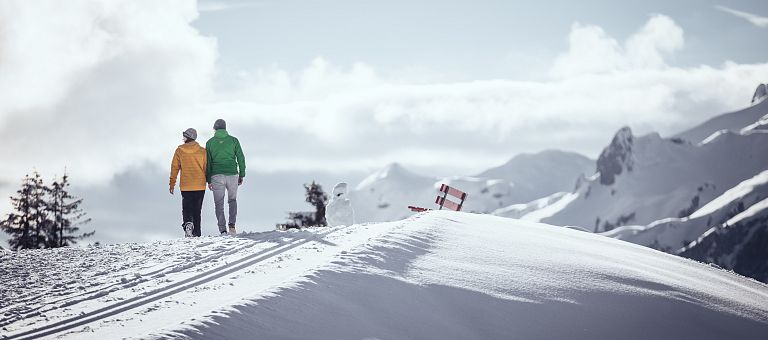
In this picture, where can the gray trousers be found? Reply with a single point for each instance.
(222, 183)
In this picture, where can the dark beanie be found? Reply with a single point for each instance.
(190, 133)
(220, 124)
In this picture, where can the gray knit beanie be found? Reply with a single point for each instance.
(190, 133)
(220, 124)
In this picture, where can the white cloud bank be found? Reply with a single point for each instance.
(103, 86)
(92, 85)
(355, 117)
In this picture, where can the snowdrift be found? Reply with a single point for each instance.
(437, 275)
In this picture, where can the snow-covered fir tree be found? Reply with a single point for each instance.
(26, 224)
(44, 216)
(67, 216)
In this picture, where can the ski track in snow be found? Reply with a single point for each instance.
(138, 285)
(437, 275)
(27, 306)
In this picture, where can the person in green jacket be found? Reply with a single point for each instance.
(225, 171)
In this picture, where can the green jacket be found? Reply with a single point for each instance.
(225, 157)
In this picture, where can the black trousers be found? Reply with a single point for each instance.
(192, 208)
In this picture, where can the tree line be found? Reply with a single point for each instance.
(44, 215)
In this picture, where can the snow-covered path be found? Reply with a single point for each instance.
(105, 291)
(438, 275)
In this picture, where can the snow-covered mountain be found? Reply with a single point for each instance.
(385, 194)
(730, 231)
(644, 179)
(673, 235)
(739, 244)
(541, 174)
(639, 180)
(701, 194)
(436, 275)
(733, 121)
(664, 193)
(761, 93)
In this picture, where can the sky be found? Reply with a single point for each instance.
(332, 90)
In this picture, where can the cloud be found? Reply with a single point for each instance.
(754, 19)
(216, 6)
(592, 50)
(328, 116)
(97, 85)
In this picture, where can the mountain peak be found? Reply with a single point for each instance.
(616, 157)
(394, 167)
(392, 172)
(760, 94)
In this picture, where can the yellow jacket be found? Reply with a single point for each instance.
(190, 159)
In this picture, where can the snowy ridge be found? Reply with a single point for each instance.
(760, 181)
(761, 93)
(524, 209)
(537, 175)
(436, 275)
(733, 121)
(666, 179)
(761, 124)
(673, 234)
(738, 244)
(385, 194)
(754, 210)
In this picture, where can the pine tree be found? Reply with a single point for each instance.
(67, 216)
(40, 216)
(317, 198)
(26, 223)
(44, 217)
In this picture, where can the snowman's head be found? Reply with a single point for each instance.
(340, 191)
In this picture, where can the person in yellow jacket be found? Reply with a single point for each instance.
(191, 159)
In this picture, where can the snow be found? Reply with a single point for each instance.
(339, 209)
(761, 93)
(732, 121)
(753, 210)
(552, 208)
(674, 234)
(442, 275)
(759, 125)
(541, 174)
(523, 209)
(668, 180)
(713, 137)
(385, 194)
(737, 192)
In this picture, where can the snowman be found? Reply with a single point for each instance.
(339, 209)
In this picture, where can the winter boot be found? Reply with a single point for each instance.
(232, 230)
(188, 227)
